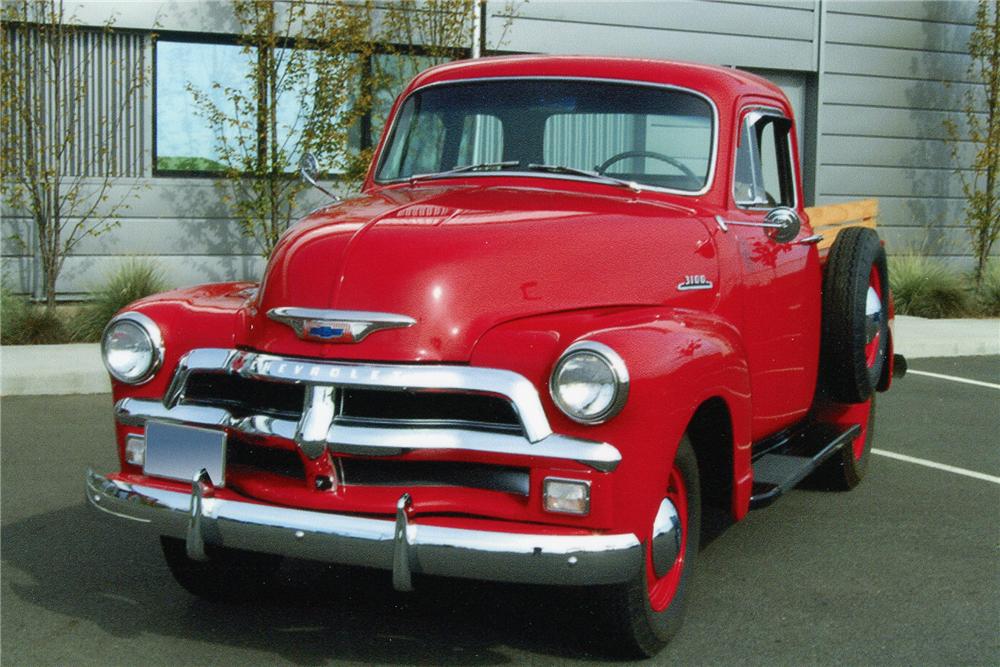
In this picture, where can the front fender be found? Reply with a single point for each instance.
(677, 359)
(188, 318)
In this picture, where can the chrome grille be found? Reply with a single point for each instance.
(364, 409)
(244, 397)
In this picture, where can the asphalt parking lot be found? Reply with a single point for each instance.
(905, 570)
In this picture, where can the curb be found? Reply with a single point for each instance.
(918, 337)
(33, 370)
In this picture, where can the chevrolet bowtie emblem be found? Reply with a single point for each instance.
(337, 326)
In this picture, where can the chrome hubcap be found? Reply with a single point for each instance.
(873, 315)
(666, 545)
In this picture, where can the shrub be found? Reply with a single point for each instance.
(925, 287)
(989, 291)
(132, 281)
(24, 323)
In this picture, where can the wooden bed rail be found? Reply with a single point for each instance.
(829, 220)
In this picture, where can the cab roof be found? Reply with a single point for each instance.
(716, 82)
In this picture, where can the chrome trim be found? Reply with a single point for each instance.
(810, 240)
(757, 112)
(152, 331)
(873, 314)
(317, 418)
(215, 360)
(201, 487)
(402, 578)
(694, 282)
(359, 324)
(618, 369)
(666, 537)
(713, 160)
(725, 224)
(788, 222)
(431, 377)
(536, 558)
(308, 170)
(368, 441)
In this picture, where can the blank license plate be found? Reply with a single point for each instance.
(180, 452)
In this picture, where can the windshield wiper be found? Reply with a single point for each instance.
(561, 169)
(482, 166)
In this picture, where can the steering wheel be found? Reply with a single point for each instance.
(653, 154)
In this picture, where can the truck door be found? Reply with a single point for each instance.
(781, 281)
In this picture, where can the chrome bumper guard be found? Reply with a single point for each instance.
(400, 546)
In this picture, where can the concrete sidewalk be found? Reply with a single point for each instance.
(77, 369)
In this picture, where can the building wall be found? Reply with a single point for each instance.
(890, 74)
(872, 83)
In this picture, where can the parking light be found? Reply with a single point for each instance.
(566, 496)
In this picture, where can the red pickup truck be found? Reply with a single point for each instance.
(577, 307)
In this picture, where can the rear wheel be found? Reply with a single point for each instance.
(649, 610)
(228, 574)
(845, 470)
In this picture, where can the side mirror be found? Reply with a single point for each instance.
(783, 224)
(309, 170)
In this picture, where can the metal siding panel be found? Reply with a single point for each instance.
(883, 152)
(898, 33)
(81, 275)
(712, 18)
(865, 121)
(855, 182)
(593, 39)
(177, 198)
(900, 93)
(152, 236)
(929, 240)
(956, 11)
(896, 63)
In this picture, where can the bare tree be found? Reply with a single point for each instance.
(60, 152)
(981, 107)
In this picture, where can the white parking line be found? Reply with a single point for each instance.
(978, 383)
(938, 466)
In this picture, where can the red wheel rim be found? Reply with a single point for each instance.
(873, 311)
(662, 589)
(861, 414)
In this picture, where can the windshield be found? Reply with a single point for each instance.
(650, 135)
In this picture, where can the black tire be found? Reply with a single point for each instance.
(228, 574)
(852, 358)
(844, 470)
(639, 631)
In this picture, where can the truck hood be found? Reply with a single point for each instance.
(462, 259)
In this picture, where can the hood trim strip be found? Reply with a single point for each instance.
(337, 326)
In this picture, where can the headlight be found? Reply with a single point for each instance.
(589, 383)
(132, 347)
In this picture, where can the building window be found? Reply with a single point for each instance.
(190, 78)
(185, 139)
(188, 142)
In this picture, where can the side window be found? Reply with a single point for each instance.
(763, 176)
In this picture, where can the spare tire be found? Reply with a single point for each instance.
(855, 336)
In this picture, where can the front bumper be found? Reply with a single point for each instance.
(400, 546)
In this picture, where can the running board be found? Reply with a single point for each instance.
(780, 469)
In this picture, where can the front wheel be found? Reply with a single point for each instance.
(649, 610)
(228, 574)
